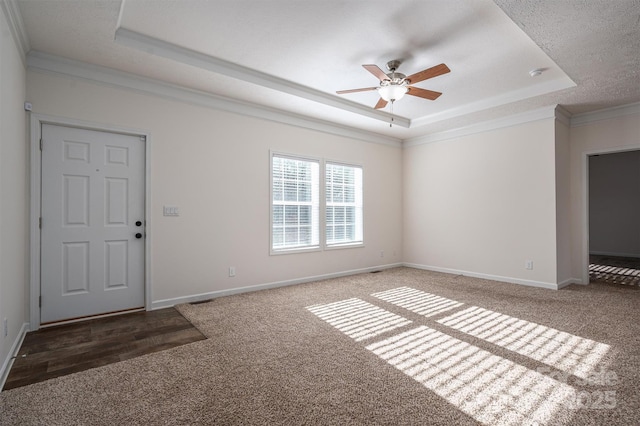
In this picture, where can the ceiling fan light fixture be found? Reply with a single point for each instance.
(392, 92)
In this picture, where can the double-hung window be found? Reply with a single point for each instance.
(295, 203)
(298, 204)
(343, 198)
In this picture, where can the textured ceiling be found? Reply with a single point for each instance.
(597, 43)
(590, 50)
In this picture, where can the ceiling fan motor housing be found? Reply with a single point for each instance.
(394, 77)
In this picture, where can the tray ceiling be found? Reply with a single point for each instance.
(293, 55)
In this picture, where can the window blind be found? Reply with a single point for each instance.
(295, 203)
(344, 200)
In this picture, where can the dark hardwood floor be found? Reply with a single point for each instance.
(65, 349)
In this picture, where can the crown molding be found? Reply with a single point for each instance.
(16, 26)
(485, 126)
(605, 114)
(556, 111)
(563, 116)
(42, 62)
(190, 57)
(495, 101)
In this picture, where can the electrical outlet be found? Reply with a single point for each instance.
(528, 264)
(381, 253)
(5, 327)
(232, 271)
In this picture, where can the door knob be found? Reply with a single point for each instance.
(138, 223)
(138, 235)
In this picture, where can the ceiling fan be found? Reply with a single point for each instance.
(394, 85)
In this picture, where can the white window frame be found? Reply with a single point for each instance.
(358, 204)
(315, 226)
(321, 228)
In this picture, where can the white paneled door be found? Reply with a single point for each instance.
(92, 231)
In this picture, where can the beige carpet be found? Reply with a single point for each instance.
(402, 346)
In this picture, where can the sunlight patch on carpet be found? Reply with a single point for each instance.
(614, 274)
(417, 301)
(358, 319)
(491, 389)
(564, 351)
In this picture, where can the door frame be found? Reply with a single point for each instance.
(36, 122)
(585, 200)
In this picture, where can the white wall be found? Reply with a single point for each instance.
(214, 166)
(14, 211)
(614, 204)
(483, 204)
(563, 205)
(480, 204)
(616, 134)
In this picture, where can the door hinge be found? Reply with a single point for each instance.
(40, 301)
(40, 222)
(143, 138)
(40, 144)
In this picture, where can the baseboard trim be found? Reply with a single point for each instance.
(166, 303)
(612, 254)
(570, 281)
(550, 286)
(15, 348)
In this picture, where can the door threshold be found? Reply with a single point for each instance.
(90, 317)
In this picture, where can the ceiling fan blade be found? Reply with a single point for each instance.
(381, 104)
(428, 73)
(422, 93)
(364, 89)
(375, 70)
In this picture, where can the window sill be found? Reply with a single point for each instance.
(344, 246)
(294, 250)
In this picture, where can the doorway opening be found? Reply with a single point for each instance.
(613, 211)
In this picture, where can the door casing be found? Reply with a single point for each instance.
(585, 201)
(36, 122)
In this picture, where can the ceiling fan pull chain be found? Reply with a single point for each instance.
(391, 123)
